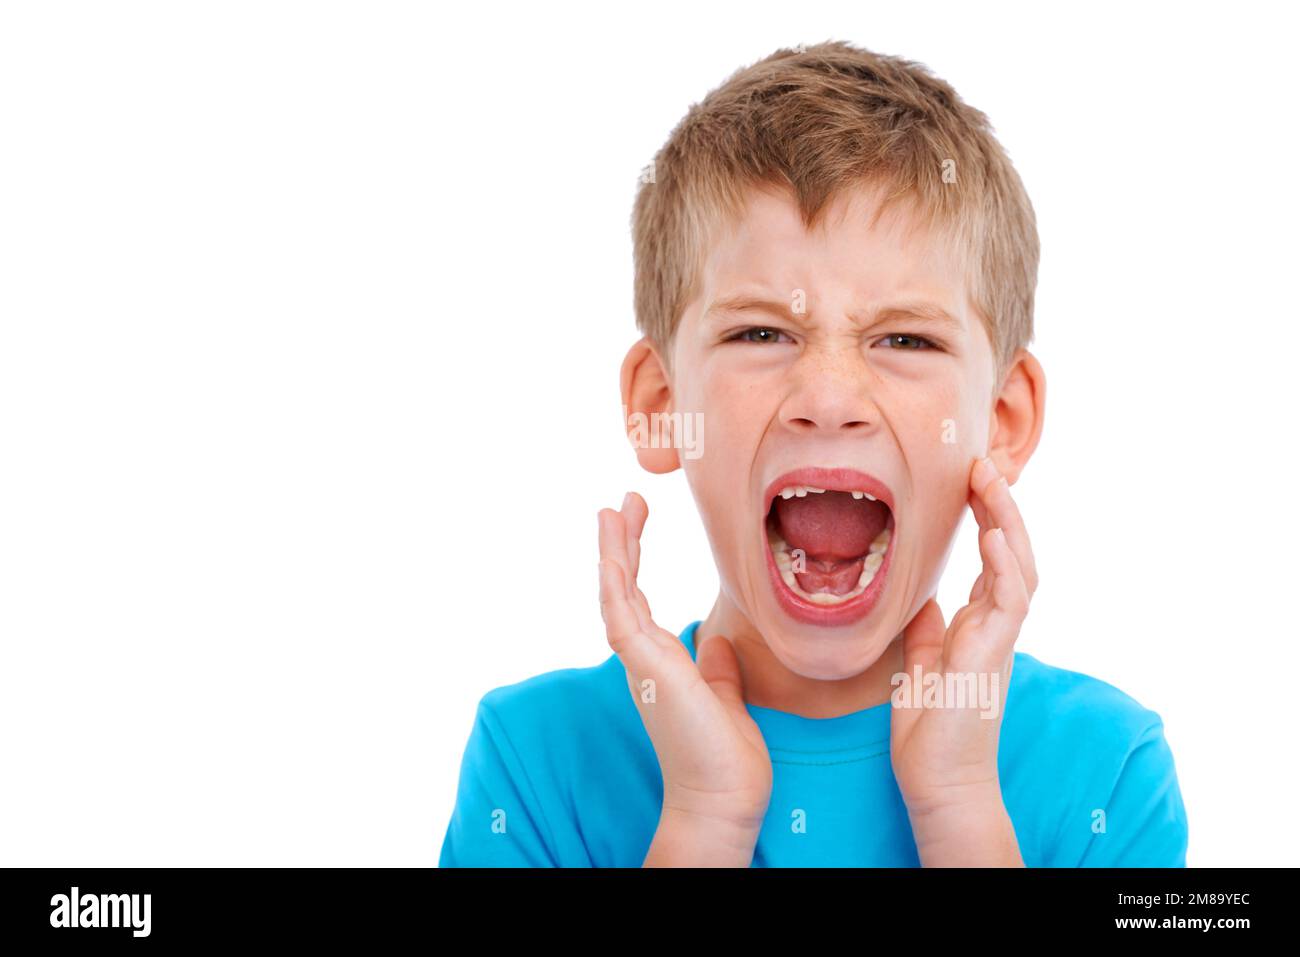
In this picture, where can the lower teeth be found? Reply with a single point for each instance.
(784, 565)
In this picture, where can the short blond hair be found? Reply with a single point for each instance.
(818, 121)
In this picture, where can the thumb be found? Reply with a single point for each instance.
(720, 670)
(923, 639)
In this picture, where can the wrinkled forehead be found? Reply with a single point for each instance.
(859, 247)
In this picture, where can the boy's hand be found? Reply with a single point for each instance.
(717, 775)
(946, 758)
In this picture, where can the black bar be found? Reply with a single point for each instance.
(373, 906)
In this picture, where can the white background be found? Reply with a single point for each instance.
(311, 323)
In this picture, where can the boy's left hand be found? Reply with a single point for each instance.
(945, 759)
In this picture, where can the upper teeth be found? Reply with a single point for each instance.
(793, 491)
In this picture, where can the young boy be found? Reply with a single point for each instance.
(820, 215)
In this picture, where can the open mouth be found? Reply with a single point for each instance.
(829, 533)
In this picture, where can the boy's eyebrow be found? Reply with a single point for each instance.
(746, 303)
(911, 309)
(924, 311)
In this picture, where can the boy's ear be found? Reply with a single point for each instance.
(1017, 420)
(646, 392)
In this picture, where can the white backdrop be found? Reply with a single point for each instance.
(311, 322)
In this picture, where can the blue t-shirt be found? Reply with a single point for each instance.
(560, 772)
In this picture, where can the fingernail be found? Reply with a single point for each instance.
(997, 532)
(626, 499)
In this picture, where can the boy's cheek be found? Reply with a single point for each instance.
(951, 421)
(941, 474)
(951, 445)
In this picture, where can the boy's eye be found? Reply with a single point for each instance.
(758, 334)
(905, 341)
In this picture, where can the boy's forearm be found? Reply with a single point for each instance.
(686, 839)
(977, 833)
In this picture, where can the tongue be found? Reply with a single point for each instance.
(830, 526)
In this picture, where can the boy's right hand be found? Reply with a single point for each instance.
(717, 774)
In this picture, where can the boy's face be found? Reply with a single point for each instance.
(851, 375)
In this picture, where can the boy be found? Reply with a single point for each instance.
(818, 216)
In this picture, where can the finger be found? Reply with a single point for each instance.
(1007, 600)
(613, 543)
(622, 629)
(972, 648)
(1003, 513)
(981, 474)
(1009, 592)
(613, 546)
(637, 650)
(981, 513)
(981, 586)
(635, 512)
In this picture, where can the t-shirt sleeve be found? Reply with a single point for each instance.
(1145, 823)
(497, 820)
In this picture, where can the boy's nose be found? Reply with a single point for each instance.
(831, 393)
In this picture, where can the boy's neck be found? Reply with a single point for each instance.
(770, 684)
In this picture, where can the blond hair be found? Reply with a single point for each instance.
(818, 121)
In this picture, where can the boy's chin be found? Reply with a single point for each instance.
(827, 654)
